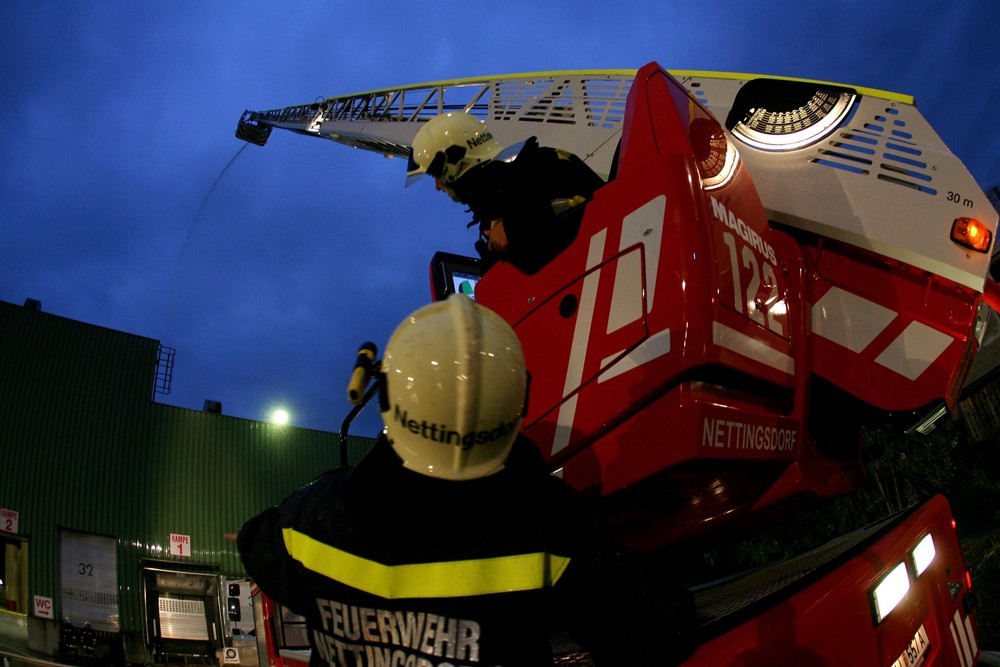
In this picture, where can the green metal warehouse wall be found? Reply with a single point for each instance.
(84, 447)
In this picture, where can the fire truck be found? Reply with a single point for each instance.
(772, 264)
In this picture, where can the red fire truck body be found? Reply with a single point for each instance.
(826, 613)
(281, 635)
(895, 594)
(756, 279)
(679, 347)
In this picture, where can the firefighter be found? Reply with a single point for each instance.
(449, 544)
(527, 200)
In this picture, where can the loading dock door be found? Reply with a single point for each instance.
(14, 572)
(88, 577)
(182, 611)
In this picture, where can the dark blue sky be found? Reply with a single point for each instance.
(118, 118)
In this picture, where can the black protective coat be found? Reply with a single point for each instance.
(382, 512)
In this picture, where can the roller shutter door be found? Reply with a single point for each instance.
(88, 576)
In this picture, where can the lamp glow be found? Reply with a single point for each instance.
(923, 554)
(889, 592)
(280, 417)
(972, 234)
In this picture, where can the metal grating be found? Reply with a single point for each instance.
(882, 146)
(90, 597)
(183, 619)
(598, 103)
(722, 600)
(695, 88)
(175, 606)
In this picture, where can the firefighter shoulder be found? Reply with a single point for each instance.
(449, 544)
(525, 199)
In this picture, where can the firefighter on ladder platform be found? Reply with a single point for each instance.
(527, 199)
(449, 544)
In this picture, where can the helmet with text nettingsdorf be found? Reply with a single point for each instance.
(455, 383)
(449, 145)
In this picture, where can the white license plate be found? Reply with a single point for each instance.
(915, 651)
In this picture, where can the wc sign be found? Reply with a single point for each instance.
(43, 607)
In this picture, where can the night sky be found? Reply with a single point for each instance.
(127, 202)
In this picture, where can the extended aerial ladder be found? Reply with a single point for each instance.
(876, 135)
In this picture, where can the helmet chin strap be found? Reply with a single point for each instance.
(469, 336)
(383, 389)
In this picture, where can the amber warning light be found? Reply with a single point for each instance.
(972, 234)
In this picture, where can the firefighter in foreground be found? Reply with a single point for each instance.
(527, 200)
(449, 544)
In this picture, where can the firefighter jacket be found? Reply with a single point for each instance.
(391, 567)
(538, 192)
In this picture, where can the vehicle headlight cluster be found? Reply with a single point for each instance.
(893, 587)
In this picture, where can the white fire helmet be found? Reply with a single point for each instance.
(455, 384)
(449, 145)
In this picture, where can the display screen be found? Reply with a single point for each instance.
(454, 274)
(464, 283)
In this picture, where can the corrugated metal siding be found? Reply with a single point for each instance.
(85, 448)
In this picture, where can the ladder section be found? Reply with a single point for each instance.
(578, 111)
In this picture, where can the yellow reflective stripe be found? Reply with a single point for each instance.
(623, 74)
(459, 578)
